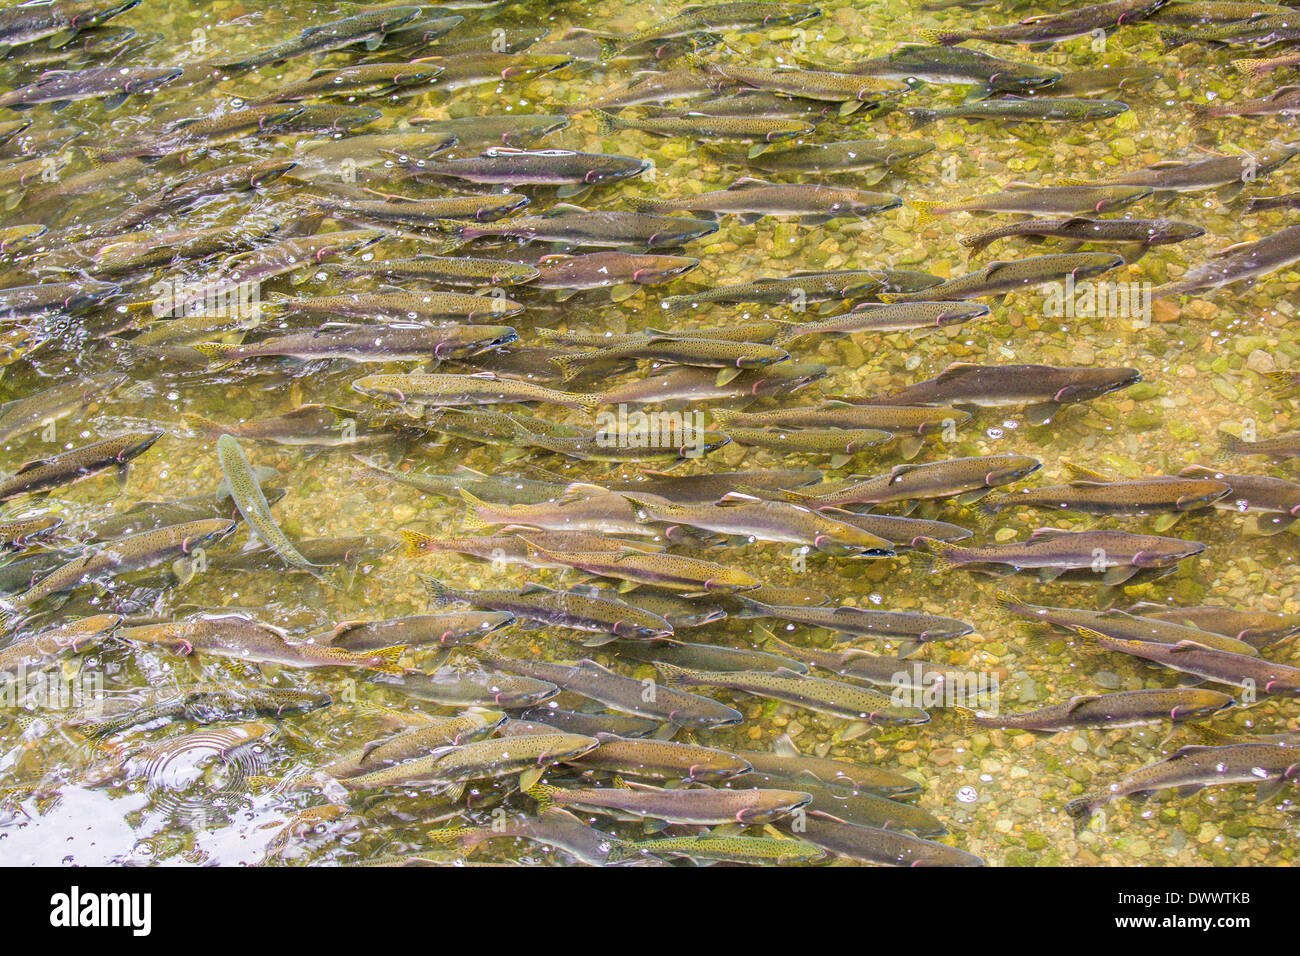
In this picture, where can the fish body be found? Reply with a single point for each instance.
(69, 466)
(705, 806)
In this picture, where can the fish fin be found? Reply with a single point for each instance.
(1041, 413)
(417, 543)
(673, 675)
(966, 719)
(389, 659)
(1268, 789)
(1082, 474)
(438, 592)
(925, 212)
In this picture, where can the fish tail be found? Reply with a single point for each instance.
(673, 675)
(1082, 808)
(587, 402)
(921, 117)
(1282, 384)
(218, 352)
(472, 518)
(926, 210)
(727, 416)
(437, 592)
(986, 512)
(417, 543)
(976, 244)
(465, 837)
(1172, 39)
(942, 554)
(644, 204)
(967, 720)
(940, 37)
(388, 660)
(1010, 602)
(544, 795)
(1252, 67)
(1230, 445)
(204, 426)
(606, 122)
(620, 850)
(564, 363)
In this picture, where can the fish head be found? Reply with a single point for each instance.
(611, 169)
(1201, 703)
(653, 269)
(1171, 230)
(1166, 552)
(1089, 383)
(959, 312)
(93, 14)
(1012, 468)
(1016, 77)
(1104, 109)
(680, 231)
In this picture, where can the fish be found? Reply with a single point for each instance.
(748, 517)
(1035, 200)
(706, 128)
(448, 270)
(114, 84)
(443, 630)
(394, 341)
(652, 87)
(661, 760)
(959, 66)
(1002, 278)
(515, 130)
(1212, 173)
(858, 806)
(1042, 389)
(591, 724)
(1093, 493)
(405, 211)
(1256, 31)
(415, 742)
(620, 272)
(750, 199)
(850, 90)
(1119, 625)
(785, 761)
(364, 78)
(1257, 628)
(915, 676)
(756, 850)
(841, 444)
(194, 132)
(705, 806)
(42, 648)
(42, 474)
(574, 225)
(401, 306)
(1038, 109)
(571, 171)
(481, 388)
(1192, 768)
(368, 29)
(202, 705)
(877, 158)
(468, 689)
(246, 492)
(507, 489)
(723, 18)
(59, 22)
(628, 695)
(451, 767)
(883, 847)
(308, 426)
(55, 298)
(463, 70)
(554, 828)
(709, 487)
(1252, 672)
(675, 572)
(1052, 28)
(1279, 447)
(1116, 556)
(53, 404)
(16, 534)
(834, 698)
(1142, 233)
(802, 287)
(241, 638)
(967, 479)
(1258, 67)
(915, 627)
(580, 611)
(1130, 708)
(880, 318)
(131, 553)
(707, 656)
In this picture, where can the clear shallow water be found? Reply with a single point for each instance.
(1200, 360)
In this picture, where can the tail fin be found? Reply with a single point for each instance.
(438, 592)
(587, 402)
(1255, 69)
(472, 518)
(417, 543)
(967, 720)
(218, 352)
(925, 211)
(204, 426)
(1283, 384)
(943, 554)
(544, 795)
(1230, 445)
(1082, 808)
(726, 416)
(1173, 39)
(606, 123)
(940, 37)
(1012, 603)
(673, 675)
(921, 117)
(389, 659)
(565, 364)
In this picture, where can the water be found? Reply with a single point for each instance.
(999, 793)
